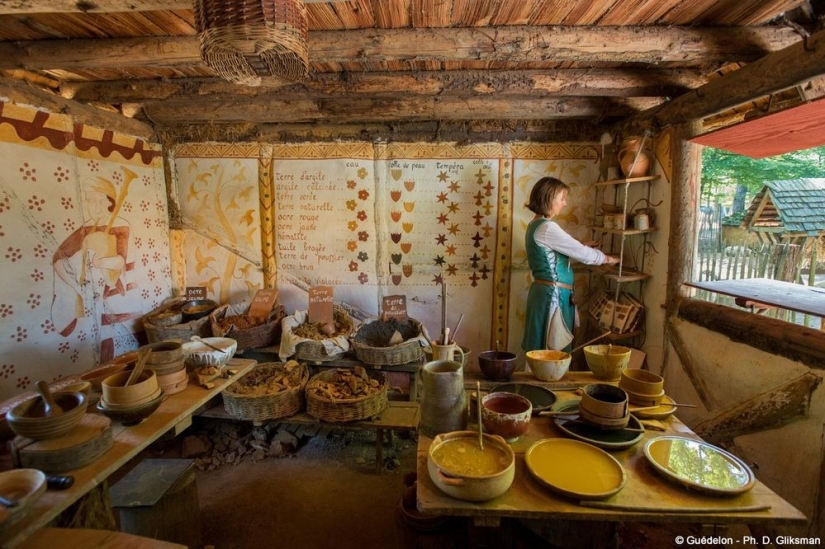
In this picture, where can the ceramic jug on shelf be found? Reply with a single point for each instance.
(443, 403)
(634, 159)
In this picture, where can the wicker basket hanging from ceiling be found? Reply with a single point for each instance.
(244, 40)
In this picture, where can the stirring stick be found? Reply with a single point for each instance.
(446, 336)
(589, 342)
(443, 307)
(455, 330)
(478, 410)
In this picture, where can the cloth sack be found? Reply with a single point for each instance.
(559, 335)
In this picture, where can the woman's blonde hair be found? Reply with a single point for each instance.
(543, 193)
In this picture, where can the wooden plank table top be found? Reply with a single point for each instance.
(127, 443)
(646, 496)
(786, 295)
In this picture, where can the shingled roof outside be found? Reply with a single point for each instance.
(793, 206)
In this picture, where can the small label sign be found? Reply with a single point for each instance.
(195, 293)
(394, 306)
(320, 304)
(263, 302)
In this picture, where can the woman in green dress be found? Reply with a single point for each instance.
(549, 251)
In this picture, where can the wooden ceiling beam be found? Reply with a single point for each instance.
(22, 7)
(514, 44)
(792, 66)
(561, 82)
(270, 110)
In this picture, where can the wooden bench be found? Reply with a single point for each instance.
(400, 415)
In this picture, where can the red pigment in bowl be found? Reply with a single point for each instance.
(505, 406)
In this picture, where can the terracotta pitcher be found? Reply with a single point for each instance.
(443, 401)
(634, 160)
(446, 352)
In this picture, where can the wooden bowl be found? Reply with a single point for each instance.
(131, 415)
(27, 419)
(142, 390)
(642, 382)
(24, 486)
(79, 387)
(95, 377)
(193, 310)
(163, 352)
(605, 406)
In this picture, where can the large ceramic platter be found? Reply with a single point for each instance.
(575, 469)
(607, 439)
(663, 411)
(697, 465)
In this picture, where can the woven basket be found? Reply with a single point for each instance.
(262, 407)
(156, 333)
(352, 409)
(372, 342)
(250, 338)
(243, 40)
(314, 351)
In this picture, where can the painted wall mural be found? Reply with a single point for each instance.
(374, 220)
(84, 235)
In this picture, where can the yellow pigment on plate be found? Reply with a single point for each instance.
(660, 412)
(575, 468)
(463, 456)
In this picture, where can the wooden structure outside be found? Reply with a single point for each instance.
(788, 211)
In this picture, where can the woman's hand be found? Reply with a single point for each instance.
(592, 243)
(610, 260)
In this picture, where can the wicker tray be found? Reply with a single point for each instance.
(346, 409)
(270, 406)
(315, 351)
(250, 338)
(371, 342)
(156, 333)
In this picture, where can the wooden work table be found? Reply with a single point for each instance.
(175, 412)
(646, 496)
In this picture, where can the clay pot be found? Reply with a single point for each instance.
(497, 365)
(607, 362)
(506, 415)
(470, 487)
(605, 406)
(631, 152)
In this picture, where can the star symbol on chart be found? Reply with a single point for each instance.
(441, 239)
(488, 208)
(478, 217)
(452, 270)
(474, 279)
(453, 207)
(478, 238)
(478, 197)
(442, 219)
(450, 250)
(489, 188)
(453, 229)
(454, 186)
(485, 252)
(443, 176)
(480, 173)
(442, 197)
(475, 259)
(487, 229)
(438, 279)
(484, 271)
(439, 260)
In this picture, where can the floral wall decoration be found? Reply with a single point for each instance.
(84, 239)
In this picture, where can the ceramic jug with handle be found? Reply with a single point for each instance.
(443, 401)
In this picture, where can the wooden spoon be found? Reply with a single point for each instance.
(200, 339)
(478, 413)
(50, 407)
(143, 356)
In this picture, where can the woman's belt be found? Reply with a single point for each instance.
(553, 283)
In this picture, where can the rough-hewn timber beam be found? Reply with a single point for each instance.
(804, 345)
(517, 44)
(20, 7)
(779, 406)
(272, 109)
(571, 82)
(792, 66)
(23, 93)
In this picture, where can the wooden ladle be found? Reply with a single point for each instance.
(143, 356)
(50, 407)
